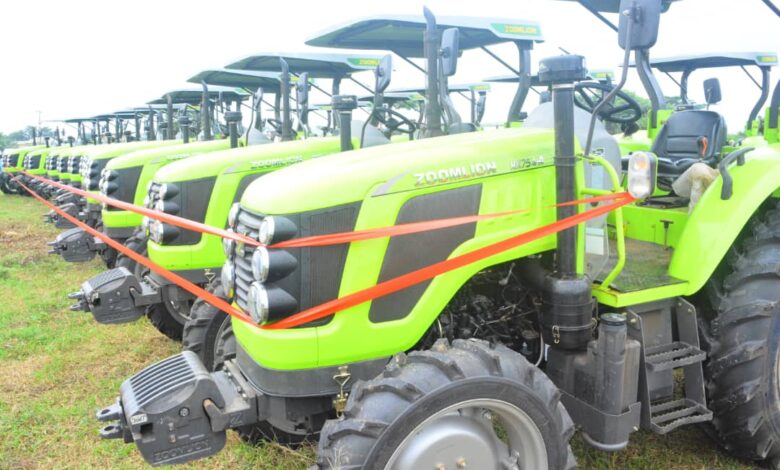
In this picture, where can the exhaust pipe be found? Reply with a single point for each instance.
(205, 116)
(567, 304)
(432, 107)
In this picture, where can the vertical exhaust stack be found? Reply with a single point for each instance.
(233, 118)
(184, 125)
(205, 116)
(171, 134)
(432, 106)
(567, 303)
(284, 77)
(343, 105)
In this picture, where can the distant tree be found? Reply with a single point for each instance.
(5, 141)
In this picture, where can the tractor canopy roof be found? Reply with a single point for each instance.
(403, 34)
(316, 64)
(462, 88)
(395, 96)
(596, 74)
(268, 81)
(714, 60)
(78, 120)
(611, 6)
(193, 96)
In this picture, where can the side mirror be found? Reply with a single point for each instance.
(450, 48)
(383, 73)
(712, 91)
(639, 21)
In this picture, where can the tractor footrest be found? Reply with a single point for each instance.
(670, 415)
(672, 355)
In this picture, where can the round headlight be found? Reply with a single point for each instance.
(159, 205)
(228, 246)
(159, 230)
(233, 215)
(258, 303)
(260, 264)
(163, 190)
(145, 223)
(266, 232)
(228, 277)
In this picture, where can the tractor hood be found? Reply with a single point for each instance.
(100, 152)
(402, 167)
(167, 153)
(269, 156)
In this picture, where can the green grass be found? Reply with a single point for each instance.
(58, 367)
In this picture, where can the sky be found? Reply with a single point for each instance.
(78, 58)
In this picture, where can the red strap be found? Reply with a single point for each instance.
(172, 277)
(429, 272)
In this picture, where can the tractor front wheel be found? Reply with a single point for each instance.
(743, 343)
(469, 405)
(205, 328)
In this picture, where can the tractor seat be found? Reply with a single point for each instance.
(688, 137)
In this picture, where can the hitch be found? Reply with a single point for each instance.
(115, 296)
(176, 411)
(75, 245)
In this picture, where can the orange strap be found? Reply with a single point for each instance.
(319, 240)
(371, 293)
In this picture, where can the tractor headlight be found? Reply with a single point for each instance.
(228, 277)
(272, 265)
(642, 174)
(233, 215)
(168, 191)
(228, 246)
(258, 303)
(276, 229)
(147, 201)
(145, 223)
(166, 206)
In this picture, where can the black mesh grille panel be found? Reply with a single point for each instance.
(127, 180)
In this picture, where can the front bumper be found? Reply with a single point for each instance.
(75, 245)
(176, 411)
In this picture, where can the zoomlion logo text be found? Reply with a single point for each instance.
(363, 61)
(447, 175)
(176, 452)
(276, 162)
(524, 29)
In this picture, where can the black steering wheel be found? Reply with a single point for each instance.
(395, 122)
(623, 109)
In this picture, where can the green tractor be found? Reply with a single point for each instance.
(12, 164)
(125, 177)
(491, 365)
(75, 245)
(188, 188)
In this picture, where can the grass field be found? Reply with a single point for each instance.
(58, 367)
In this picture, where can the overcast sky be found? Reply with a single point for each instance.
(68, 58)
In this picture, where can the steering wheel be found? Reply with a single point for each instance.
(395, 121)
(275, 124)
(623, 109)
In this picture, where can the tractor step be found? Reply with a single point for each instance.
(672, 355)
(670, 415)
(671, 377)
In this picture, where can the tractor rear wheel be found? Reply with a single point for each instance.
(469, 405)
(205, 328)
(742, 340)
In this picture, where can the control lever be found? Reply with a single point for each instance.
(728, 184)
(703, 144)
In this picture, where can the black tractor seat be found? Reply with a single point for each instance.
(686, 138)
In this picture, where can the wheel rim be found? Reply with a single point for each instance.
(480, 433)
(179, 309)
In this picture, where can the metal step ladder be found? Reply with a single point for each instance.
(665, 405)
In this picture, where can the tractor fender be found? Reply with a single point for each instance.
(715, 223)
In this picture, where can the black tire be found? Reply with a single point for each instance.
(137, 243)
(742, 338)
(206, 323)
(382, 412)
(108, 255)
(167, 320)
(225, 349)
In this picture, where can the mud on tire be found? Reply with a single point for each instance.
(381, 412)
(742, 339)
